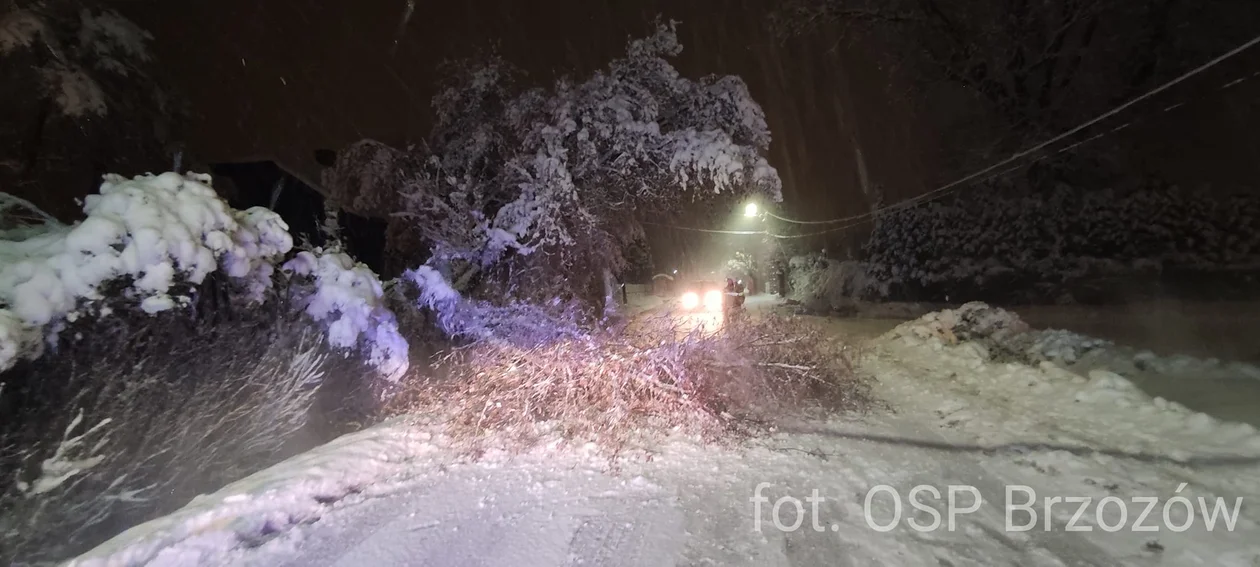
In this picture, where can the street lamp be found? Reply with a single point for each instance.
(750, 210)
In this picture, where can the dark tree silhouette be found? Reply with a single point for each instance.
(79, 99)
(1040, 66)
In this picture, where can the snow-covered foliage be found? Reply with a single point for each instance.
(19, 29)
(137, 414)
(83, 43)
(1059, 236)
(435, 292)
(83, 94)
(162, 235)
(558, 178)
(113, 39)
(364, 181)
(155, 231)
(74, 90)
(517, 323)
(178, 359)
(349, 298)
(825, 284)
(741, 265)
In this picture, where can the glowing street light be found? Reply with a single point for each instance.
(750, 210)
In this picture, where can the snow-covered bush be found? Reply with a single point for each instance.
(159, 233)
(541, 191)
(824, 284)
(174, 357)
(983, 237)
(163, 234)
(136, 414)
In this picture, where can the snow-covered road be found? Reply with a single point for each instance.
(956, 417)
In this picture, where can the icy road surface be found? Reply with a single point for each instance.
(393, 496)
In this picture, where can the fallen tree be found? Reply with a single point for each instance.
(642, 380)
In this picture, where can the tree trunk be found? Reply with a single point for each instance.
(610, 293)
(331, 228)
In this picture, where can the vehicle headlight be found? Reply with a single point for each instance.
(713, 299)
(690, 300)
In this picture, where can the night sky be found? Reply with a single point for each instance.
(281, 78)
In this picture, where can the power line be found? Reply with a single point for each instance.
(860, 219)
(794, 221)
(930, 195)
(712, 231)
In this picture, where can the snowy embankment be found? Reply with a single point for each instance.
(164, 234)
(271, 501)
(1049, 403)
(994, 351)
(1074, 351)
(977, 403)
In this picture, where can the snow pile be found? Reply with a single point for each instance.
(971, 321)
(154, 230)
(276, 499)
(349, 298)
(980, 347)
(1086, 433)
(1064, 346)
(1003, 336)
(984, 237)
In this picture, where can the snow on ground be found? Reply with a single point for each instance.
(956, 416)
(1081, 434)
(270, 501)
(640, 299)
